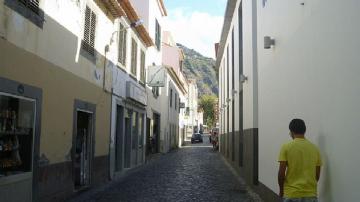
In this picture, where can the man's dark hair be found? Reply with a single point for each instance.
(297, 126)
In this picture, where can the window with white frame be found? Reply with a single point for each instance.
(171, 92)
(175, 101)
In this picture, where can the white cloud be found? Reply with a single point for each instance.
(196, 30)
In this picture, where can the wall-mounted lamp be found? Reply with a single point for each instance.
(228, 99)
(243, 78)
(268, 42)
(224, 106)
(233, 92)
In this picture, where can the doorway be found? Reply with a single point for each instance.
(127, 114)
(140, 152)
(156, 134)
(83, 149)
(135, 139)
(148, 136)
(119, 138)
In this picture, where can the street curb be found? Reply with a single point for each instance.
(252, 194)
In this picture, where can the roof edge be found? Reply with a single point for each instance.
(229, 14)
(162, 7)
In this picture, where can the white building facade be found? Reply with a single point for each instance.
(192, 109)
(129, 99)
(295, 74)
(152, 13)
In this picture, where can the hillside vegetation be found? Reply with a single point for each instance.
(201, 68)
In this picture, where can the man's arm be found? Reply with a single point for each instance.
(281, 177)
(318, 168)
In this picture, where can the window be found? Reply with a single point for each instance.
(179, 105)
(187, 111)
(133, 57)
(28, 9)
(89, 32)
(157, 35)
(122, 44)
(171, 92)
(175, 100)
(32, 5)
(17, 121)
(142, 67)
(141, 132)
(181, 65)
(134, 130)
(156, 91)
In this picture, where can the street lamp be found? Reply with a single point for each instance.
(132, 25)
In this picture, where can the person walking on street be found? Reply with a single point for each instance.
(299, 166)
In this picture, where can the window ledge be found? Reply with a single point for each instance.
(133, 77)
(121, 67)
(88, 56)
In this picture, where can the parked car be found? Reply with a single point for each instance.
(196, 137)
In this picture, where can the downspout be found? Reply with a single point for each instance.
(110, 141)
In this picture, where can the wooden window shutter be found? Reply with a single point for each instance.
(133, 57)
(86, 42)
(33, 5)
(92, 32)
(122, 45)
(142, 66)
(157, 35)
(89, 31)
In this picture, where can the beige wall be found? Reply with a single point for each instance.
(59, 41)
(60, 89)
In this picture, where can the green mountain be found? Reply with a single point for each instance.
(201, 68)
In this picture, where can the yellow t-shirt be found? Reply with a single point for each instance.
(302, 158)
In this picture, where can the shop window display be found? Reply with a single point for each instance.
(17, 116)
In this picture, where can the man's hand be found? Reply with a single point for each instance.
(281, 193)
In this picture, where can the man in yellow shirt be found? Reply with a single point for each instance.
(299, 169)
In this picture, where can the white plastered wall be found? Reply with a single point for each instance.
(312, 73)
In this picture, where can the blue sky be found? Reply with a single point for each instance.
(196, 24)
(213, 7)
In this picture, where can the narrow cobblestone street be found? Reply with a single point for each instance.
(192, 173)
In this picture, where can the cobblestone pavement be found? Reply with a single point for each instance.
(192, 173)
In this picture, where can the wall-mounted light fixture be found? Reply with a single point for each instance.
(228, 99)
(243, 78)
(268, 42)
(233, 92)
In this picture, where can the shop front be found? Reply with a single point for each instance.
(128, 129)
(20, 109)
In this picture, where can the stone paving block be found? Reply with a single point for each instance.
(187, 174)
